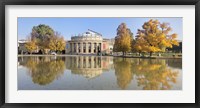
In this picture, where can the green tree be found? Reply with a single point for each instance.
(42, 34)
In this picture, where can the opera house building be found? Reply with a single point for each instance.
(90, 42)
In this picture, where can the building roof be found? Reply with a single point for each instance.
(95, 32)
(89, 33)
(22, 41)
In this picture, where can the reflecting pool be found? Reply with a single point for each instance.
(98, 73)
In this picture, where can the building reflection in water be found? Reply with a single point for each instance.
(87, 66)
(149, 74)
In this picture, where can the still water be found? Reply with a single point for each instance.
(98, 73)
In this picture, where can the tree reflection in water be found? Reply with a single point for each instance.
(123, 72)
(44, 70)
(150, 74)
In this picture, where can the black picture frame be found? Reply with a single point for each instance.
(3, 3)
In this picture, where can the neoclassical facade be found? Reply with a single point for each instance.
(89, 42)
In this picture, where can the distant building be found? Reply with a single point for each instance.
(108, 46)
(21, 47)
(90, 42)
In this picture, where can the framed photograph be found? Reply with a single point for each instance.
(109, 53)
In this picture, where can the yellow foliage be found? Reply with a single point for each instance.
(31, 46)
(123, 39)
(57, 43)
(154, 39)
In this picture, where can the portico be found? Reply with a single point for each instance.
(88, 43)
(85, 47)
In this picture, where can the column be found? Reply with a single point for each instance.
(96, 47)
(76, 47)
(72, 48)
(92, 48)
(87, 48)
(81, 45)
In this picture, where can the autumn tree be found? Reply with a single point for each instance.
(42, 34)
(123, 39)
(57, 43)
(31, 45)
(132, 41)
(140, 43)
(155, 37)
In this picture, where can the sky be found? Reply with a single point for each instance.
(106, 26)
